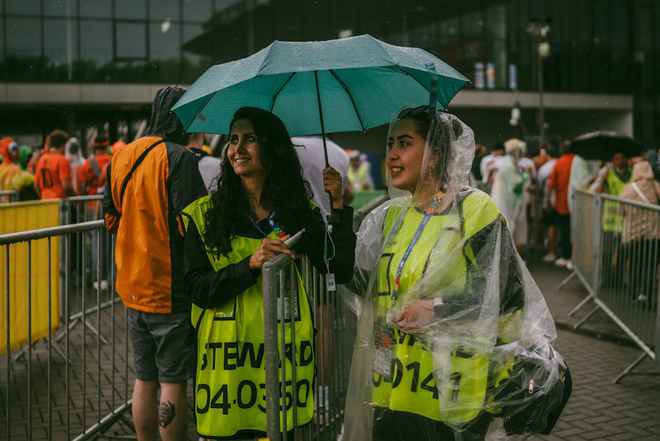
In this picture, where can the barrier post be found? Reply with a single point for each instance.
(28, 304)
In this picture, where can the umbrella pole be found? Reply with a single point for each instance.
(318, 100)
(331, 217)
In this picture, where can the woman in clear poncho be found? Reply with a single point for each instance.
(447, 303)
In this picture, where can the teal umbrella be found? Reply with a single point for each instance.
(320, 87)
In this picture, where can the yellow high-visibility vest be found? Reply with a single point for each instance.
(230, 390)
(412, 387)
(612, 219)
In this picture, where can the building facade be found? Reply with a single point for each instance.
(73, 63)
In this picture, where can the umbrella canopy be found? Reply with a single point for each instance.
(320, 87)
(604, 145)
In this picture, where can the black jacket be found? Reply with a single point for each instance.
(210, 288)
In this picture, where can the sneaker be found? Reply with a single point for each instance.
(569, 265)
(549, 258)
(561, 262)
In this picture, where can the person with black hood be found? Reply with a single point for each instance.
(149, 182)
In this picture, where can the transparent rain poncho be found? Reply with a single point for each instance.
(453, 335)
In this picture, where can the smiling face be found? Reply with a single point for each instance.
(244, 150)
(405, 155)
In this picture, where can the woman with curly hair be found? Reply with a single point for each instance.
(261, 200)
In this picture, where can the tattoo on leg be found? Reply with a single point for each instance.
(166, 413)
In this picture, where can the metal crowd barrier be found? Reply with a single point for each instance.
(616, 255)
(335, 326)
(77, 209)
(66, 381)
(8, 196)
(74, 380)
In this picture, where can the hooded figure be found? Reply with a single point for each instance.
(8, 162)
(508, 191)
(448, 310)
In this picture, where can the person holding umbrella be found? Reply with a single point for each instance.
(447, 303)
(260, 201)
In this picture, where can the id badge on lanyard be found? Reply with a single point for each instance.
(384, 345)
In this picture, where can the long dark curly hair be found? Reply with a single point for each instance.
(285, 191)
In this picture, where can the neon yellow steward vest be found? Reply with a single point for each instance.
(230, 367)
(612, 219)
(412, 387)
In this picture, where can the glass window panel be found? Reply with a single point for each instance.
(164, 40)
(131, 40)
(27, 7)
(2, 39)
(131, 9)
(96, 41)
(23, 37)
(193, 64)
(225, 4)
(496, 22)
(164, 9)
(473, 25)
(61, 45)
(96, 8)
(197, 10)
(60, 8)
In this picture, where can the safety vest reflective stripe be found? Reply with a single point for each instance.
(413, 384)
(230, 393)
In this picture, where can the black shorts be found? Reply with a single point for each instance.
(163, 346)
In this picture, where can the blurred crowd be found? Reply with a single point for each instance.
(533, 188)
(61, 168)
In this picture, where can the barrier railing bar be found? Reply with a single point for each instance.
(50, 338)
(29, 345)
(293, 289)
(42, 233)
(272, 355)
(98, 324)
(105, 423)
(83, 293)
(8, 343)
(629, 202)
(67, 312)
(282, 318)
(271, 343)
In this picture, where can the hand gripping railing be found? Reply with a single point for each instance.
(272, 293)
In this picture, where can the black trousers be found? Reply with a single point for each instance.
(564, 230)
(391, 425)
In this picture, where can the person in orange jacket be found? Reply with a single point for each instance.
(91, 177)
(53, 172)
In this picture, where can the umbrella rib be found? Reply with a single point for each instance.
(345, 87)
(413, 77)
(272, 105)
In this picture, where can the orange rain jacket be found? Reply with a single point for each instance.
(149, 248)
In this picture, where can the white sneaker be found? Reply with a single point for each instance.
(104, 285)
(569, 265)
(561, 262)
(549, 258)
